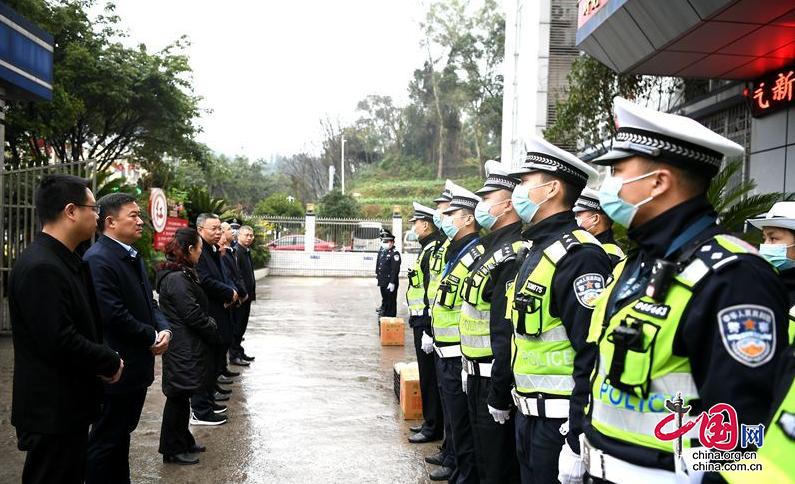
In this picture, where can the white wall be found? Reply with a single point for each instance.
(526, 67)
(772, 160)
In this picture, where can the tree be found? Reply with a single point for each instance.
(279, 205)
(584, 113)
(336, 205)
(109, 101)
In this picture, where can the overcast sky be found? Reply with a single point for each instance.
(269, 70)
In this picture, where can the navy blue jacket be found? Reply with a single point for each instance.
(219, 285)
(130, 316)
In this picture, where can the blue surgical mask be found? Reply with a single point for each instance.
(437, 220)
(525, 207)
(777, 255)
(618, 210)
(449, 229)
(483, 214)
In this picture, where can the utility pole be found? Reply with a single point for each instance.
(342, 163)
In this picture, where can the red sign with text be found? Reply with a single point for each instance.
(172, 224)
(587, 9)
(773, 92)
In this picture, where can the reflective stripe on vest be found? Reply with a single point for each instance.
(627, 405)
(446, 311)
(543, 358)
(792, 325)
(475, 311)
(614, 250)
(415, 294)
(435, 268)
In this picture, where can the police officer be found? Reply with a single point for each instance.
(420, 321)
(778, 229)
(445, 457)
(549, 305)
(485, 334)
(692, 311)
(592, 219)
(461, 228)
(387, 271)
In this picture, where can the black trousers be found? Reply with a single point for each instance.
(108, 456)
(389, 302)
(239, 330)
(52, 458)
(538, 445)
(448, 452)
(448, 370)
(433, 426)
(495, 444)
(220, 358)
(175, 436)
(200, 400)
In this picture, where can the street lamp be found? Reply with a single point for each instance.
(342, 163)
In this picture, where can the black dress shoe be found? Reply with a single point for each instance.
(224, 380)
(435, 459)
(219, 397)
(422, 439)
(222, 390)
(441, 474)
(239, 362)
(248, 358)
(184, 459)
(230, 374)
(416, 428)
(196, 448)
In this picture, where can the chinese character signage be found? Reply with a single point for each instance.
(773, 92)
(587, 9)
(170, 228)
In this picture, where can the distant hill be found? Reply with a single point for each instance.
(377, 198)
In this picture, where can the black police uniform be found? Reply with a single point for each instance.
(387, 271)
(495, 444)
(719, 377)
(538, 440)
(433, 426)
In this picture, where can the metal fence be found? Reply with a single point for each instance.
(18, 217)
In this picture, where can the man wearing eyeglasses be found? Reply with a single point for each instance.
(59, 358)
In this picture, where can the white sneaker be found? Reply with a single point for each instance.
(212, 419)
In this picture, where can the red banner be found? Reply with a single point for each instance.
(172, 224)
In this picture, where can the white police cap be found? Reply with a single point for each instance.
(676, 140)
(498, 177)
(462, 198)
(781, 215)
(544, 156)
(421, 212)
(587, 202)
(447, 194)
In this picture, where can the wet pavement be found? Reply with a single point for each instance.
(317, 405)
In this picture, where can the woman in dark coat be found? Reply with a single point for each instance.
(188, 362)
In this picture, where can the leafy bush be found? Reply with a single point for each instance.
(279, 205)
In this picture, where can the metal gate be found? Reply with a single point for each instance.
(18, 216)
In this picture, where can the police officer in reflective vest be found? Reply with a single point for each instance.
(461, 228)
(445, 457)
(592, 219)
(776, 453)
(778, 230)
(387, 270)
(485, 334)
(430, 240)
(691, 311)
(549, 306)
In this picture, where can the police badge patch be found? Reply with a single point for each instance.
(588, 287)
(748, 333)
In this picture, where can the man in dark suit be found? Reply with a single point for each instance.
(132, 325)
(229, 250)
(245, 238)
(59, 358)
(219, 286)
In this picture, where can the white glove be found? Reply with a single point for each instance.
(499, 416)
(571, 468)
(427, 343)
(390, 287)
(464, 380)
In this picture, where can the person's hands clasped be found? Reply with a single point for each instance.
(161, 345)
(115, 378)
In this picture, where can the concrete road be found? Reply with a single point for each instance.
(317, 405)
